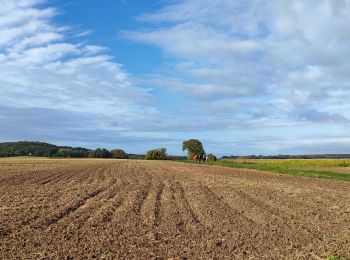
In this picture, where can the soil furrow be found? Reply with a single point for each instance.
(67, 211)
(129, 209)
(158, 205)
(183, 199)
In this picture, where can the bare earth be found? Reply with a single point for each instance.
(120, 209)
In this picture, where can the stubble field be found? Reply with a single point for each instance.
(124, 209)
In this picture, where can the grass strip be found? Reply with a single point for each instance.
(280, 169)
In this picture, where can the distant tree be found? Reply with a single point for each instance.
(105, 153)
(19, 153)
(119, 154)
(212, 157)
(92, 154)
(156, 154)
(194, 147)
(136, 156)
(71, 152)
(40, 153)
(40, 149)
(100, 153)
(64, 152)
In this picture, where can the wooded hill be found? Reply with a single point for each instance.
(28, 148)
(40, 149)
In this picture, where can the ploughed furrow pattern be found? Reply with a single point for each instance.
(140, 198)
(151, 208)
(157, 205)
(182, 198)
(75, 206)
(129, 209)
(167, 212)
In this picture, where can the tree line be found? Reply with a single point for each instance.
(40, 149)
(26, 148)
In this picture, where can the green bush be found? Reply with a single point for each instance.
(119, 154)
(212, 157)
(156, 154)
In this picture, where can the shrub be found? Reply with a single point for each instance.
(212, 157)
(119, 154)
(156, 154)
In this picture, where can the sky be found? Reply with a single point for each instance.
(243, 76)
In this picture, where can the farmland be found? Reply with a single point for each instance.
(118, 209)
(317, 168)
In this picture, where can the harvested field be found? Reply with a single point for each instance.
(124, 209)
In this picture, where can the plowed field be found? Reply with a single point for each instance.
(121, 209)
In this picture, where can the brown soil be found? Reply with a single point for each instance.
(120, 209)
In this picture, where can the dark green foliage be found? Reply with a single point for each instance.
(135, 156)
(176, 157)
(212, 157)
(40, 149)
(119, 154)
(100, 153)
(156, 154)
(194, 147)
(72, 152)
(26, 148)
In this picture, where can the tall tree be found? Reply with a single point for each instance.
(194, 147)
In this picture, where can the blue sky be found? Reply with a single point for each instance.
(244, 77)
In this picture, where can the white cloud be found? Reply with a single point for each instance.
(252, 68)
(289, 50)
(42, 71)
(192, 40)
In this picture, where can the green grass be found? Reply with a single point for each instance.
(292, 167)
(105, 255)
(335, 257)
(298, 163)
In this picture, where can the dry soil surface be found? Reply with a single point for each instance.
(124, 209)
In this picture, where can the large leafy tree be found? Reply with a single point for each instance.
(194, 147)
